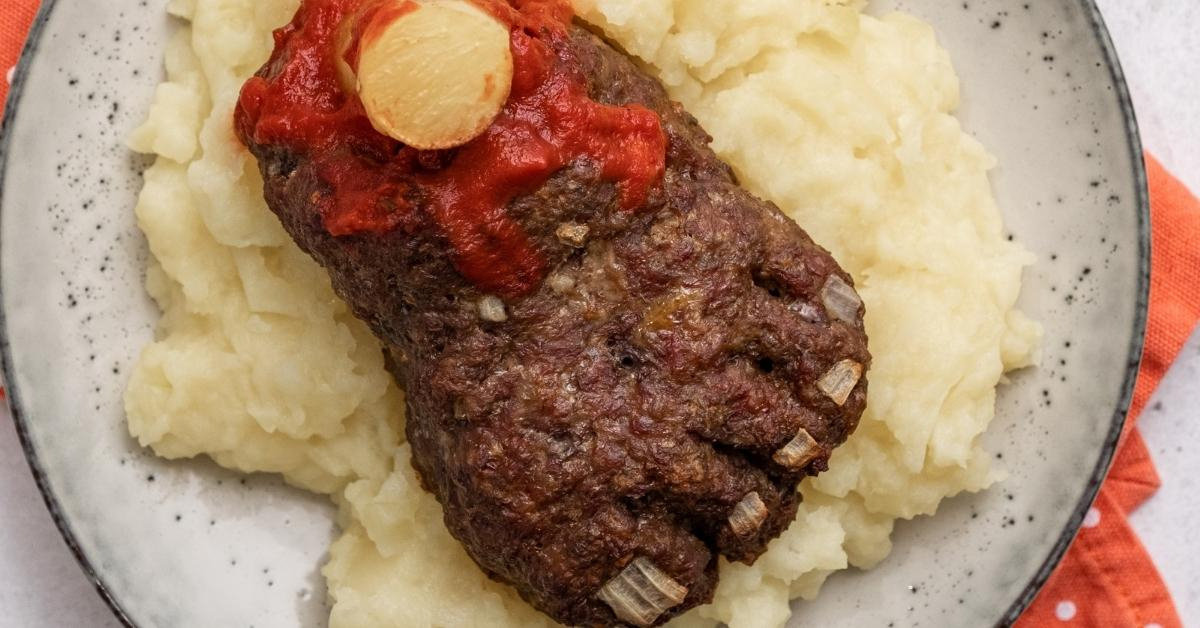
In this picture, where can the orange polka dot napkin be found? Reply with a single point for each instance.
(15, 18)
(1106, 580)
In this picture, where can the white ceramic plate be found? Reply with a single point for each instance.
(190, 545)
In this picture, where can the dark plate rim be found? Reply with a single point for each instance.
(1014, 611)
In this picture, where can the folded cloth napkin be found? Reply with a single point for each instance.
(1106, 580)
(15, 18)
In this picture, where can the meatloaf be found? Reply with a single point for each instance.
(653, 402)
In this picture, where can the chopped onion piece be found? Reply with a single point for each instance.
(797, 454)
(642, 592)
(573, 234)
(748, 515)
(560, 282)
(491, 309)
(841, 301)
(840, 381)
(807, 311)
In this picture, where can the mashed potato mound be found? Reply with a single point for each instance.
(843, 119)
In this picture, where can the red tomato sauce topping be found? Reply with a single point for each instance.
(377, 184)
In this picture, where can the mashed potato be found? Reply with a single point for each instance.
(842, 119)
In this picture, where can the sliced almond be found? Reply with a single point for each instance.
(642, 592)
(839, 381)
(802, 450)
(434, 74)
(749, 515)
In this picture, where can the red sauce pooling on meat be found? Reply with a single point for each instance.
(377, 184)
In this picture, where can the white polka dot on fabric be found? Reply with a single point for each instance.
(1092, 519)
(11, 72)
(1065, 611)
(1153, 626)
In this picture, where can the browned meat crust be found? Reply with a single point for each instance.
(625, 408)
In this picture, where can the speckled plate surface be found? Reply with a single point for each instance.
(190, 545)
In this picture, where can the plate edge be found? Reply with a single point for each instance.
(1014, 611)
(12, 396)
(1137, 343)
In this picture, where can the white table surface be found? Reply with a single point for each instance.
(41, 585)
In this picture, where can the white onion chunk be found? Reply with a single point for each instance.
(642, 592)
(802, 450)
(840, 300)
(492, 310)
(748, 516)
(839, 382)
